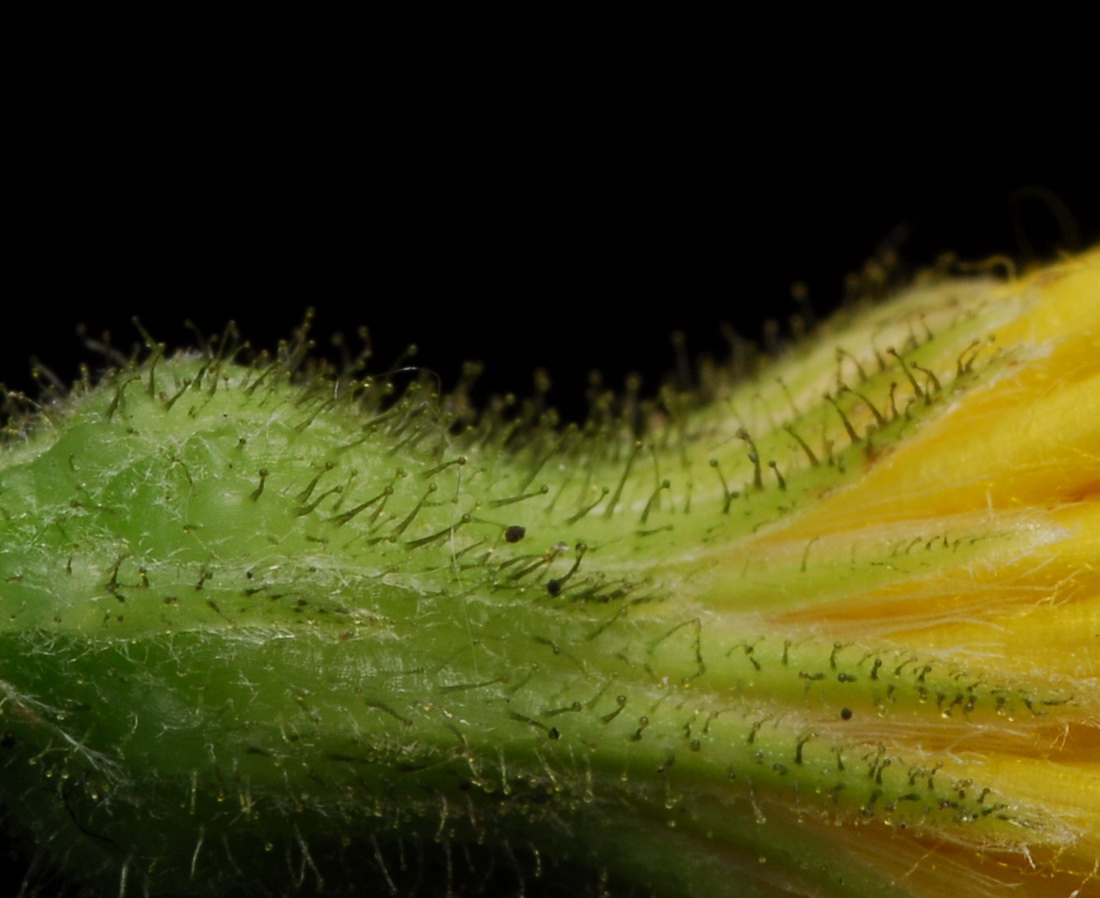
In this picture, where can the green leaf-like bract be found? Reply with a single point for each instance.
(264, 630)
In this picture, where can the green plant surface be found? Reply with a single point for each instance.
(271, 628)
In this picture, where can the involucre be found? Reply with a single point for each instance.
(268, 628)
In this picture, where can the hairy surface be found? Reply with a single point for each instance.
(271, 628)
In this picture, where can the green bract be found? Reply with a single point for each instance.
(268, 629)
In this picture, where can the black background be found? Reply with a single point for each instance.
(571, 227)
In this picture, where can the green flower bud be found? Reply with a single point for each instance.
(275, 629)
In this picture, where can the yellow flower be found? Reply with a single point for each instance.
(971, 543)
(833, 631)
